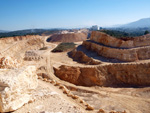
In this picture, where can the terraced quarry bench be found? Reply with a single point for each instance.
(133, 54)
(116, 75)
(111, 41)
(133, 72)
(110, 47)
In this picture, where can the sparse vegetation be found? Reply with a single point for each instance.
(29, 32)
(132, 32)
(117, 34)
(64, 47)
(146, 32)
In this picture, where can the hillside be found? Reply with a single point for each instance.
(42, 32)
(133, 29)
(145, 22)
(3, 31)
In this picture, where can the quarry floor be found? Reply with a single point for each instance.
(50, 99)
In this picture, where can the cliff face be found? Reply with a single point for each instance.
(114, 42)
(133, 54)
(120, 54)
(106, 75)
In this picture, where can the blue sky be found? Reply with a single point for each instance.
(27, 14)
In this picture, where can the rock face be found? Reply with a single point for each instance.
(120, 54)
(114, 42)
(80, 57)
(17, 38)
(135, 74)
(16, 86)
(67, 73)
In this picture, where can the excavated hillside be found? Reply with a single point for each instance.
(68, 37)
(133, 72)
(111, 84)
(25, 84)
(16, 46)
(36, 80)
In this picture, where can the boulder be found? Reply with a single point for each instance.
(16, 86)
(8, 63)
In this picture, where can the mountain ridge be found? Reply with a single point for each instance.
(144, 22)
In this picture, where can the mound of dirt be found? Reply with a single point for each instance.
(69, 37)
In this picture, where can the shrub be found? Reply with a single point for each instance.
(117, 34)
(146, 32)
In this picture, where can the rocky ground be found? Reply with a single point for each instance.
(49, 99)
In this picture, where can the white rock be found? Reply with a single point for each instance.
(39, 107)
(54, 93)
(9, 63)
(16, 86)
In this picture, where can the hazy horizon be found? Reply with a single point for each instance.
(30, 14)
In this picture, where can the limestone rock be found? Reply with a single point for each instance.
(8, 62)
(80, 57)
(70, 74)
(115, 42)
(16, 86)
(136, 74)
(133, 54)
(79, 75)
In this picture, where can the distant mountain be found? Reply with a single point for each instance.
(3, 31)
(142, 23)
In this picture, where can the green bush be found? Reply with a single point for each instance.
(64, 47)
(146, 32)
(117, 34)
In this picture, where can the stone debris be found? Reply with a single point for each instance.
(54, 93)
(39, 107)
(16, 86)
(8, 63)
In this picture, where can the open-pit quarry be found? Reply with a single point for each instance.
(101, 75)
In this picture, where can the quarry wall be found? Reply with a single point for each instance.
(134, 74)
(114, 42)
(133, 54)
(16, 46)
(9, 40)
